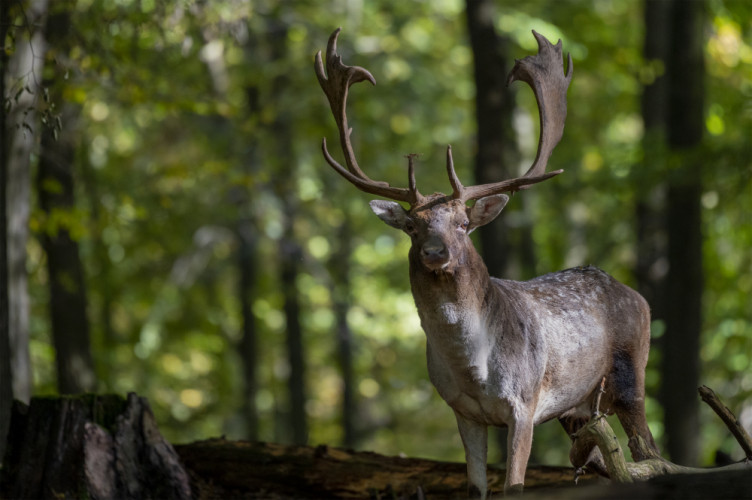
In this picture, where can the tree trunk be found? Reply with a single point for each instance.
(248, 343)
(246, 232)
(23, 124)
(650, 269)
(681, 364)
(100, 319)
(290, 253)
(494, 105)
(70, 326)
(6, 373)
(339, 269)
(55, 188)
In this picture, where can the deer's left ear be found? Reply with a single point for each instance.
(486, 209)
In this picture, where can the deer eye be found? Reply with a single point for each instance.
(464, 225)
(409, 227)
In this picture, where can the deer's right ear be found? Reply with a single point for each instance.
(486, 209)
(390, 212)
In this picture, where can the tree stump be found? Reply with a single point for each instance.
(100, 447)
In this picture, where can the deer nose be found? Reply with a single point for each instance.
(434, 254)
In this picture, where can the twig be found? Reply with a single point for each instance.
(601, 390)
(741, 435)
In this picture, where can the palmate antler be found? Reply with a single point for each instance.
(544, 72)
(336, 83)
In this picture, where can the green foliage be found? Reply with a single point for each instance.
(180, 105)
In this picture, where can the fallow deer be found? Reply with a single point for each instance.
(502, 352)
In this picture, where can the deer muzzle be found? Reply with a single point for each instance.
(434, 254)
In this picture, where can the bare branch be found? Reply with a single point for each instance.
(656, 465)
(736, 429)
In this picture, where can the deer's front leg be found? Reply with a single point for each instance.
(475, 440)
(519, 441)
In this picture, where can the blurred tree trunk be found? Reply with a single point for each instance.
(247, 262)
(248, 341)
(101, 323)
(6, 374)
(651, 265)
(339, 269)
(681, 364)
(494, 106)
(290, 253)
(496, 152)
(70, 326)
(55, 188)
(25, 71)
(246, 233)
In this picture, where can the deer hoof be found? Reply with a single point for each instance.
(474, 492)
(513, 490)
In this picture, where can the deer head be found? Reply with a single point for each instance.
(439, 230)
(439, 224)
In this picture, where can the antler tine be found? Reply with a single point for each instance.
(544, 72)
(412, 185)
(336, 82)
(457, 187)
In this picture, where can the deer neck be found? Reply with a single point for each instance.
(450, 303)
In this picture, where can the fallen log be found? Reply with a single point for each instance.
(238, 469)
(222, 469)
